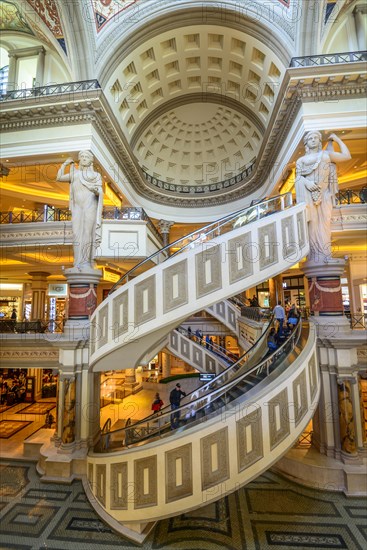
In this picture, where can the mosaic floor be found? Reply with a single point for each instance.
(37, 408)
(11, 427)
(270, 513)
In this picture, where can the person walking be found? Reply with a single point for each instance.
(279, 315)
(175, 399)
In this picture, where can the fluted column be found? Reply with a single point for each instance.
(39, 294)
(346, 418)
(12, 72)
(360, 24)
(165, 228)
(40, 67)
(361, 410)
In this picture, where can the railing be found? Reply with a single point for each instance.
(256, 313)
(38, 326)
(357, 320)
(210, 398)
(328, 59)
(209, 346)
(204, 187)
(212, 230)
(352, 196)
(51, 214)
(51, 90)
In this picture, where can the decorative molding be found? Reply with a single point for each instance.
(91, 106)
(39, 355)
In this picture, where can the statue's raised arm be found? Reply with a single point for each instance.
(86, 201)
(317, 184)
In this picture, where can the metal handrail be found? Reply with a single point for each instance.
(352, 196)
(217, 349)
(328, 59)
(51, 90)
(215, 391)
(212, 230)
(202, 188)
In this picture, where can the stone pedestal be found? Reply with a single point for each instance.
(325, 295)
(82, 301)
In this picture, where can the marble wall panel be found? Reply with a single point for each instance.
(174, 339)
(301, 231)
(198, 357)
(101, 335)
(145, 301)
(300, 397)
(179, 477)
(101, 483)
(312, 376)
(289, 241)
(209, 363)
(208, 271)
(268, 245)
(278, 410)
(145, 479)
(231, 318)
(249, 439)
(120, 314)
(214, 458)
(175, 286)
(241, 257)
(185, 348)
(119, 486)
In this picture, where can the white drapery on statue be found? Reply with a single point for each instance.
(86, 202)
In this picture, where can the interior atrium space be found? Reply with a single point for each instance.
(183, 286)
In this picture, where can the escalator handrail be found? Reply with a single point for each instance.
(206, 230)
(166, 411)
(218, 392)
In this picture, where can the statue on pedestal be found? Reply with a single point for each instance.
(316, 185)
(86, 201)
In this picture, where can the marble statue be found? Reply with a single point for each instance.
(86, 201)
(316, 185)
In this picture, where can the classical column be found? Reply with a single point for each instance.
(40, 67)
(346, 418)
(275, 290)
(39, 293)
(364, 432)
(12, 85)
(165, 227)
(130, 379)
(166, 364)
(360, 24)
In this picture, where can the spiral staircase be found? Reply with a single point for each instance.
(231, 429)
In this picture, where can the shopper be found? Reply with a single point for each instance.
(175, 398)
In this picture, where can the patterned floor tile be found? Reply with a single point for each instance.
(27, 518)
(271, 513)
(11, 427)
(13, 479)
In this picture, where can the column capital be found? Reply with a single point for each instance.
(165, 226)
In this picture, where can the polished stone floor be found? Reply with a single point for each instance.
(269, 513)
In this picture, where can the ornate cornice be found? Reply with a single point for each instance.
(92, 107)
(29, 355)
(60, 232)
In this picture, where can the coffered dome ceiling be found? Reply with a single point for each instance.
(194, 102)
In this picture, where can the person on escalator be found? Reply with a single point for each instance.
(272, 340)
(175, 398)
(157, 404)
